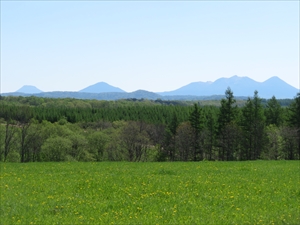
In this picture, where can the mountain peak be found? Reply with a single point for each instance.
(29, 89)
(101, 87)
(274, 79)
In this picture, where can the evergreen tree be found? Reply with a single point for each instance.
(253, 128)
(170, 137)
(273, 112)
(225, 120)
(197, 125)
(227, 110)
(210, 135)
(294, 118)
(259, 126)
(247, 122)
(174, 124)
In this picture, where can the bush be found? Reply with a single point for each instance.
(13, 157)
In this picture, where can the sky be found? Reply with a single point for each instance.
(150, 45)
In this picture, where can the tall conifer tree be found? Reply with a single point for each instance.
(225, 121)
(294, 119)
(273, 112)
(253, 127)
(197, 125)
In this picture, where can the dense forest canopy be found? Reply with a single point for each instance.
(49, 129)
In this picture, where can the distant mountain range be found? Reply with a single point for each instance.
(98, 96)
(242, 88)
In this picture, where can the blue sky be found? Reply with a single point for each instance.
(150, 45)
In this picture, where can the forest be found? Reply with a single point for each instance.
(34, 129)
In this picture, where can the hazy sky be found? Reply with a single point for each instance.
(150, 45)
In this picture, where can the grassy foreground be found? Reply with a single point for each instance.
(257, 192)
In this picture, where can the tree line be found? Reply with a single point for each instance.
(32, 130)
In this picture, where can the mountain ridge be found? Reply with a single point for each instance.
(241, 86)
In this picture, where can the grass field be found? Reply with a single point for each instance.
(257, 192)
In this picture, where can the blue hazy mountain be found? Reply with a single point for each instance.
(29, 89)
(101, 87)
(140, 94)
(241, 86)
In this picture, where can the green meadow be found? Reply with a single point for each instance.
(251, 192)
